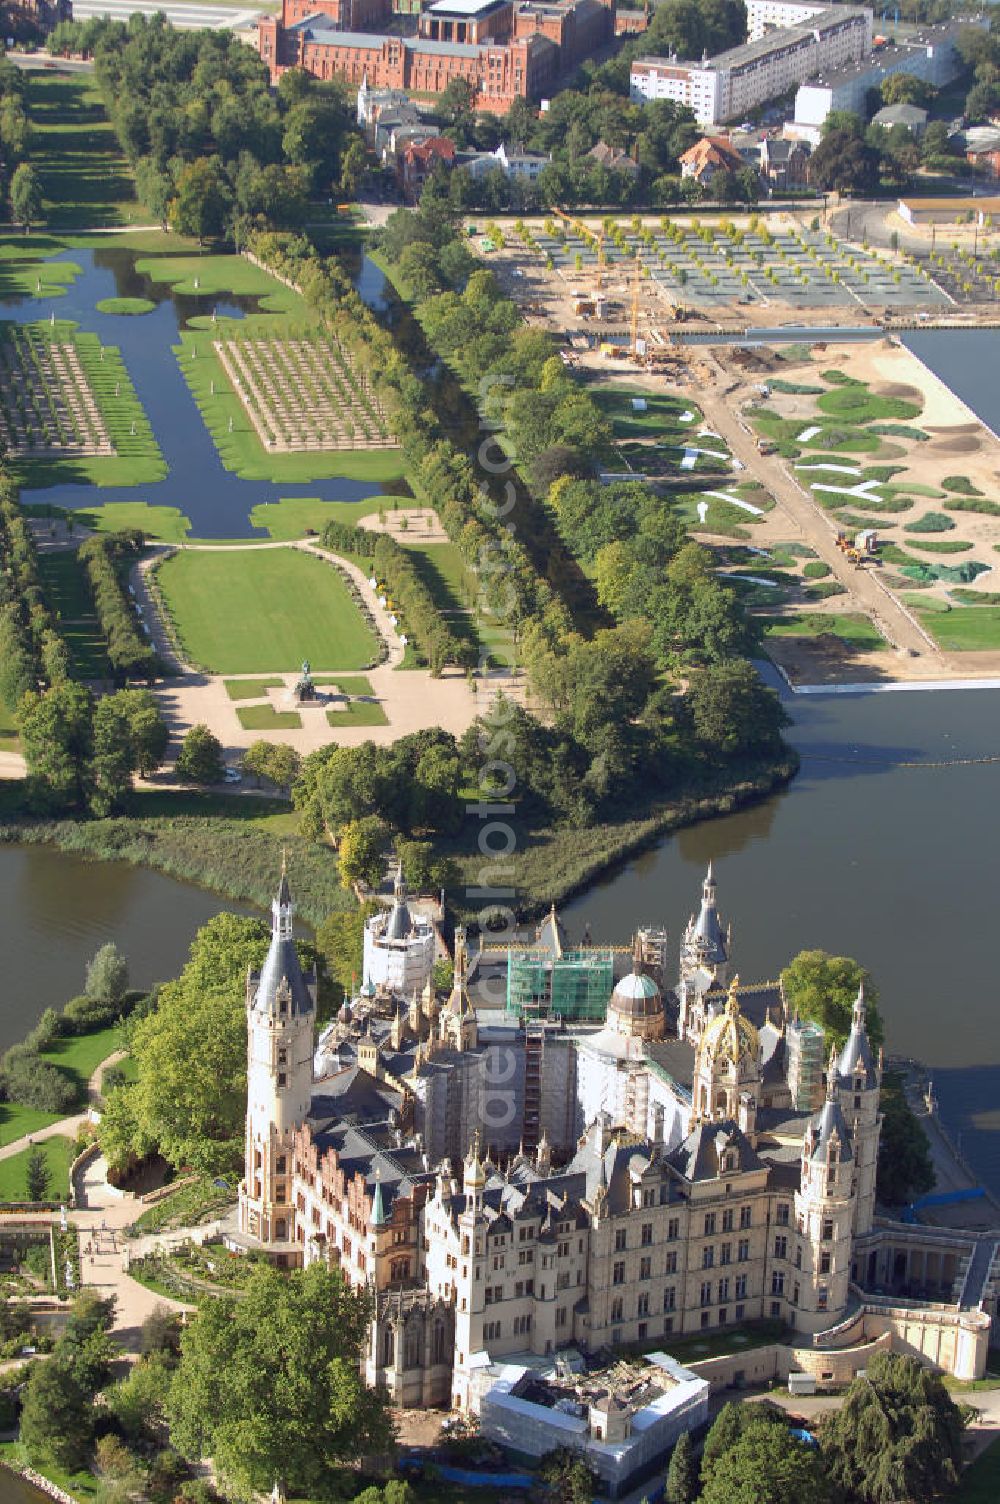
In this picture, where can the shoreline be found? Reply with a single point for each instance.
(936, 380)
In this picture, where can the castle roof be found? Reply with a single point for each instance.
(857, 1052)
(281, 975)
(699, 1156)
(730, 1035)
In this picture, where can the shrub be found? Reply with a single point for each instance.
(816, 570)
(930, 522)
(960, 483)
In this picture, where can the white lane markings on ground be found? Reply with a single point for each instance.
(838, 469)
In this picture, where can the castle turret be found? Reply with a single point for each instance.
(824, 1209)
(281, 1018)
(705, 957)
(859, 1078)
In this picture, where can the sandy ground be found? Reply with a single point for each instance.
(421, 525)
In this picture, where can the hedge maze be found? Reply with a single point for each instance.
(304, 394)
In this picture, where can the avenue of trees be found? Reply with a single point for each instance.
(106, 558)
(215, 151)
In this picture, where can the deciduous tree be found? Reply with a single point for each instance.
(200, 758)
(270, 1386)
(25, 196)
(824, 988)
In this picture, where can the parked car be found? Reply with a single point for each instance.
(232, 775)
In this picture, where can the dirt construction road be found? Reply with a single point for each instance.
(894, 622)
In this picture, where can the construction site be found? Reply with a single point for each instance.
(643, 291)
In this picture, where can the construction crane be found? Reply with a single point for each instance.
(634, 326)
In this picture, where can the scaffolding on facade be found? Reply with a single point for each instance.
(575, 985)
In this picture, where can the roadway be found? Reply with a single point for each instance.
(184, 16)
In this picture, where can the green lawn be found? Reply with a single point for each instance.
(980, 1484)
(86, 181)
(210, 272)
(266, 718)
(59, 1155)
(852, 628)
(358, 714)
(250, 689)
(79, 1055)
(291, 518)
(165, 524)
(348, 684)
(9, 738)
(259, 610)
(129, 306)
(65, 584)
(660, 415)
(137, 458)
(964, 629)
(16, 1121)
(22, 272)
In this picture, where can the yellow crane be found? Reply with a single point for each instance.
(634, 328)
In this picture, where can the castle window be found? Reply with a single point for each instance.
(795, 1293)
(723, 1289)
(670, 1298)
(618, 1273)
(827, 1231)
(727, 1219)
(709, 1224)
(777, 1284)
(781, 1248)
(742, 1250)
(671, 1264)
(707, 1257)
(741, 1287)
(617, 1307)
(282, 1079)
(673, 1229)
(781, 1215)
(706, 1292)
(645, 1268)
(722, 1317)
(726, 1253)
(647, 1234)
(746, 1214)
(620, 1239)
(740, 1312)
(824, 1263)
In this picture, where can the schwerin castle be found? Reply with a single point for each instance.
(516, 1182)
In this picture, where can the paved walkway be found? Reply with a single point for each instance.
(66, 1127)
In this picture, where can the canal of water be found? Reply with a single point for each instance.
(217, 501)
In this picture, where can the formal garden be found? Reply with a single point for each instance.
(46, 405)
(304, 394)
(246, 611)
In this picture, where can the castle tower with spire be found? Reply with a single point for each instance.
(398, 947)
(706, 953)
(859, 1079)
(824, 1214)
(281, 1018)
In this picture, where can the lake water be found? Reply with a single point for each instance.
(57, 909)
(217, 501)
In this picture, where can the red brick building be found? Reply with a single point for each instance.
(505, 51)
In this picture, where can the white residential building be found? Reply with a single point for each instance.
(732, 83)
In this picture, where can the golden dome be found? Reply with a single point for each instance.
(729, 1035)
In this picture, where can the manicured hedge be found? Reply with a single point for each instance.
(104, 557)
